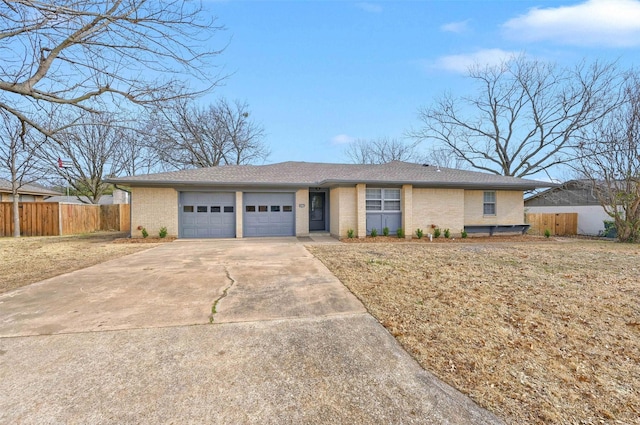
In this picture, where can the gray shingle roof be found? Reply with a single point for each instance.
(27, 189)
(323, 174)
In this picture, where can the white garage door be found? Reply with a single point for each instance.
(207, 215)
(269, 214)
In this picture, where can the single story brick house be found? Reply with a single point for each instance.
(299, 198)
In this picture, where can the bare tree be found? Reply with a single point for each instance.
(444, 158)
(243, 136)
(219, 134)
(524, 116)
(93, 148)
(19, 163)
(381, 150)
(609, 157)
(72, 52)
(136, 150)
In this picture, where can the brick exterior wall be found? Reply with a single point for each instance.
(442, 207)
(509, 208)
(421, 207)
(406, 206)
(302, 214)
(239, 214)
(342, 205)
(153, 208)
(361, 210)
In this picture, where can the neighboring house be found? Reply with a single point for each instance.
(296, 198)
(118, 197)
(27, 192)
(81, 200)
(574, 196)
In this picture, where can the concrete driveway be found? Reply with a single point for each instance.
(224, 331)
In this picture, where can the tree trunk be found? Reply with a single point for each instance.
(16, 214)
(16, 197)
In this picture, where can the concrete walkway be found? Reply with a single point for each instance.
(224, 331)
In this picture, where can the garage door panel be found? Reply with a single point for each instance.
(269, 214)
(188, 220)
(202, 214)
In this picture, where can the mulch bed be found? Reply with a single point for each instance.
(440, 240)
(146, 240)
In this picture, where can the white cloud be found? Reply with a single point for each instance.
(462, 63)
(456, 27)
(369, 7)
(614, 23)
(342, 139)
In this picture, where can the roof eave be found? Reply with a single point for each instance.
(182, 183)
(457, 185)
(329, 182)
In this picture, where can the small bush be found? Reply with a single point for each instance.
(610, 230)
(350, 233)
(144, 233)
(385, 231)
(436, 232)
(163, 232)
(447, 233)
(419, 233)
(374, 232)
(463, 234)
(547, 233)
(400, 233)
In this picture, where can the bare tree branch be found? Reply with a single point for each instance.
(609, 157)
(19, 163)
(381, 150)
(524, 117)
(220, 134)
(72, 52)
(94, 149)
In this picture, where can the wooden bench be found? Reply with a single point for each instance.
(499, 228)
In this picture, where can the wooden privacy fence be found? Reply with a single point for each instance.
(54, 219)
(560, 224)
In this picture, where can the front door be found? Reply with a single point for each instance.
(316, 211)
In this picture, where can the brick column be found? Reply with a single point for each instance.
(361, 210)
(239, 207)
(406, 206)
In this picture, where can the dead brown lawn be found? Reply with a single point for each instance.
(31, 259)
(536, 332)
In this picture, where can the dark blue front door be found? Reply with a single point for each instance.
(317, 211)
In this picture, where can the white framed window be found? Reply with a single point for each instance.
(489, 205)
(383, 199)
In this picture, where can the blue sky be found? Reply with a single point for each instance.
(318, 74)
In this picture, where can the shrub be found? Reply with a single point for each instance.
(350, 233)
(144, 233)
(436, 232)
(547, 233)
(610, 230)
(463, 234)
(163, 232)
(400, 233)
(447, 233)
(385, 231)
(419, 233)
(374, 232)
